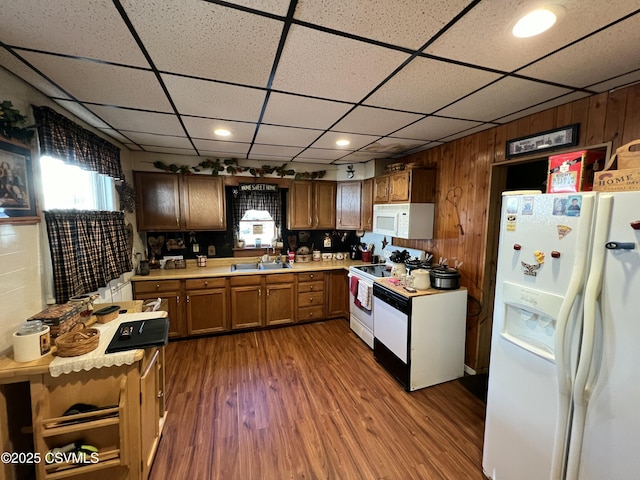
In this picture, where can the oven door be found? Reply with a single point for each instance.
(361, 320)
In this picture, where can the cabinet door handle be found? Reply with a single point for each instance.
(178, 299)
(206, 283)
(160, 394)
(309, 220)
(268, 292)
(259, 292)
(188, 299)
(177, 221)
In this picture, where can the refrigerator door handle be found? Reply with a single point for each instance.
(620, 245)
(562, 353)
(585, 363)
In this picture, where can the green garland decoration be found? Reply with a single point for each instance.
(230, 165)
(12, 123)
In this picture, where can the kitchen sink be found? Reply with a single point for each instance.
(259, 266)
(273, 266)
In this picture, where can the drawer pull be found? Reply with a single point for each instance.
(157, 286)
(206, 283)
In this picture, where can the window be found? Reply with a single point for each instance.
(70, 187)
(257, 227)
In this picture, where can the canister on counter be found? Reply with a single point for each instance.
(31, 342)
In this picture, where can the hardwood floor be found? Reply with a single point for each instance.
(308, 402)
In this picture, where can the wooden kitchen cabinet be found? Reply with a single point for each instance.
(280, 300)
(366, 207)
(173, 202)
(311, 296)
(348, 206)
(311, 205)
(170, 294)
(207, 305)
(337, 287)
(247, 310)
(407, 186)
(152, 405)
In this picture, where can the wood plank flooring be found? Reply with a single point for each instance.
(308, 402)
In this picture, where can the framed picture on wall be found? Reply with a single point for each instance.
(543, 141)
(18, 204)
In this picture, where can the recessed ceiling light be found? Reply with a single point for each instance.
(534, 23)
(221, 132)
(343, 143)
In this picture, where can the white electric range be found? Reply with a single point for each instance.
(361, 280)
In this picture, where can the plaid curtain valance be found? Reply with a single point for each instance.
(65, 140)
(88, 250)
(248, 200)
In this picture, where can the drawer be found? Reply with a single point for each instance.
(308, 299)
(310, 313)
(310, 276)
(204, 283)
(311, 286)
(159, 286)
(245, 280)
(280, 278)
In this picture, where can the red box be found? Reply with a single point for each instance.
(573, 172)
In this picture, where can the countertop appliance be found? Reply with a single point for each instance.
(404, 220)
(419, 339)
(361, 279)
(563, 394)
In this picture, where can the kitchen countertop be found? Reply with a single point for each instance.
(221, 267)
(386, 282)
(12, 371)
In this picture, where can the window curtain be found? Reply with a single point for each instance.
(88, 250)
(256, 200)
(65, 140)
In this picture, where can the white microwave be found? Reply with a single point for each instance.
(404, 220)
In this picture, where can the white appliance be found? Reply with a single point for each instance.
(419, 338)
(563, 390)
(362, 277)
(404, 220)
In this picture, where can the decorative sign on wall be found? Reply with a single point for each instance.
(258, 187)
(543, 141)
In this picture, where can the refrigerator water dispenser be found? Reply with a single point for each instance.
(530, 319)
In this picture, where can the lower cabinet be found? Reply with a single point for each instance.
(125, 429)
(280, 299)
(247, 310)
(170, 294)
(337, 287)
(207, 305)
(311, 296)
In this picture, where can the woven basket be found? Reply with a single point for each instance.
(76, 343)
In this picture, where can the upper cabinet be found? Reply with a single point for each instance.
(311, 205)
(408, 186)
(173, 202)
(348, 206)
(366, 206)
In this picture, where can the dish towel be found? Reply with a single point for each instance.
(353, 288)
(364, 296)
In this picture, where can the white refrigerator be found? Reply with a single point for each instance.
(564, 377)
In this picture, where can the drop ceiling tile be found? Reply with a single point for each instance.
(276, 150)
(139, 121)
(21, 70)
(83, 28)
(297, 111)
(297, 137)
(425, 85)
(323, 154)
(225, 148)
(614, 57)
(471, 131)
(272, 159)
(618, 82)
(203, 128)
(157, 140)
(492, 45)
(133, 147)
(116, 135)
(207, 40)
(211, 99)
(361, 157)
(374, 121)
(434, 128)
(332, 67)
(312, 164)
(502, 98)
(407, 23)
(392, 145)
(277, 7)
(174, 151)
(79, 110)
(102, 83)
(571, 97)
(329, 139)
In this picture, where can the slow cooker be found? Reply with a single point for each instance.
(444, 278)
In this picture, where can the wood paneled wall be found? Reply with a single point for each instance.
(471, 173)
